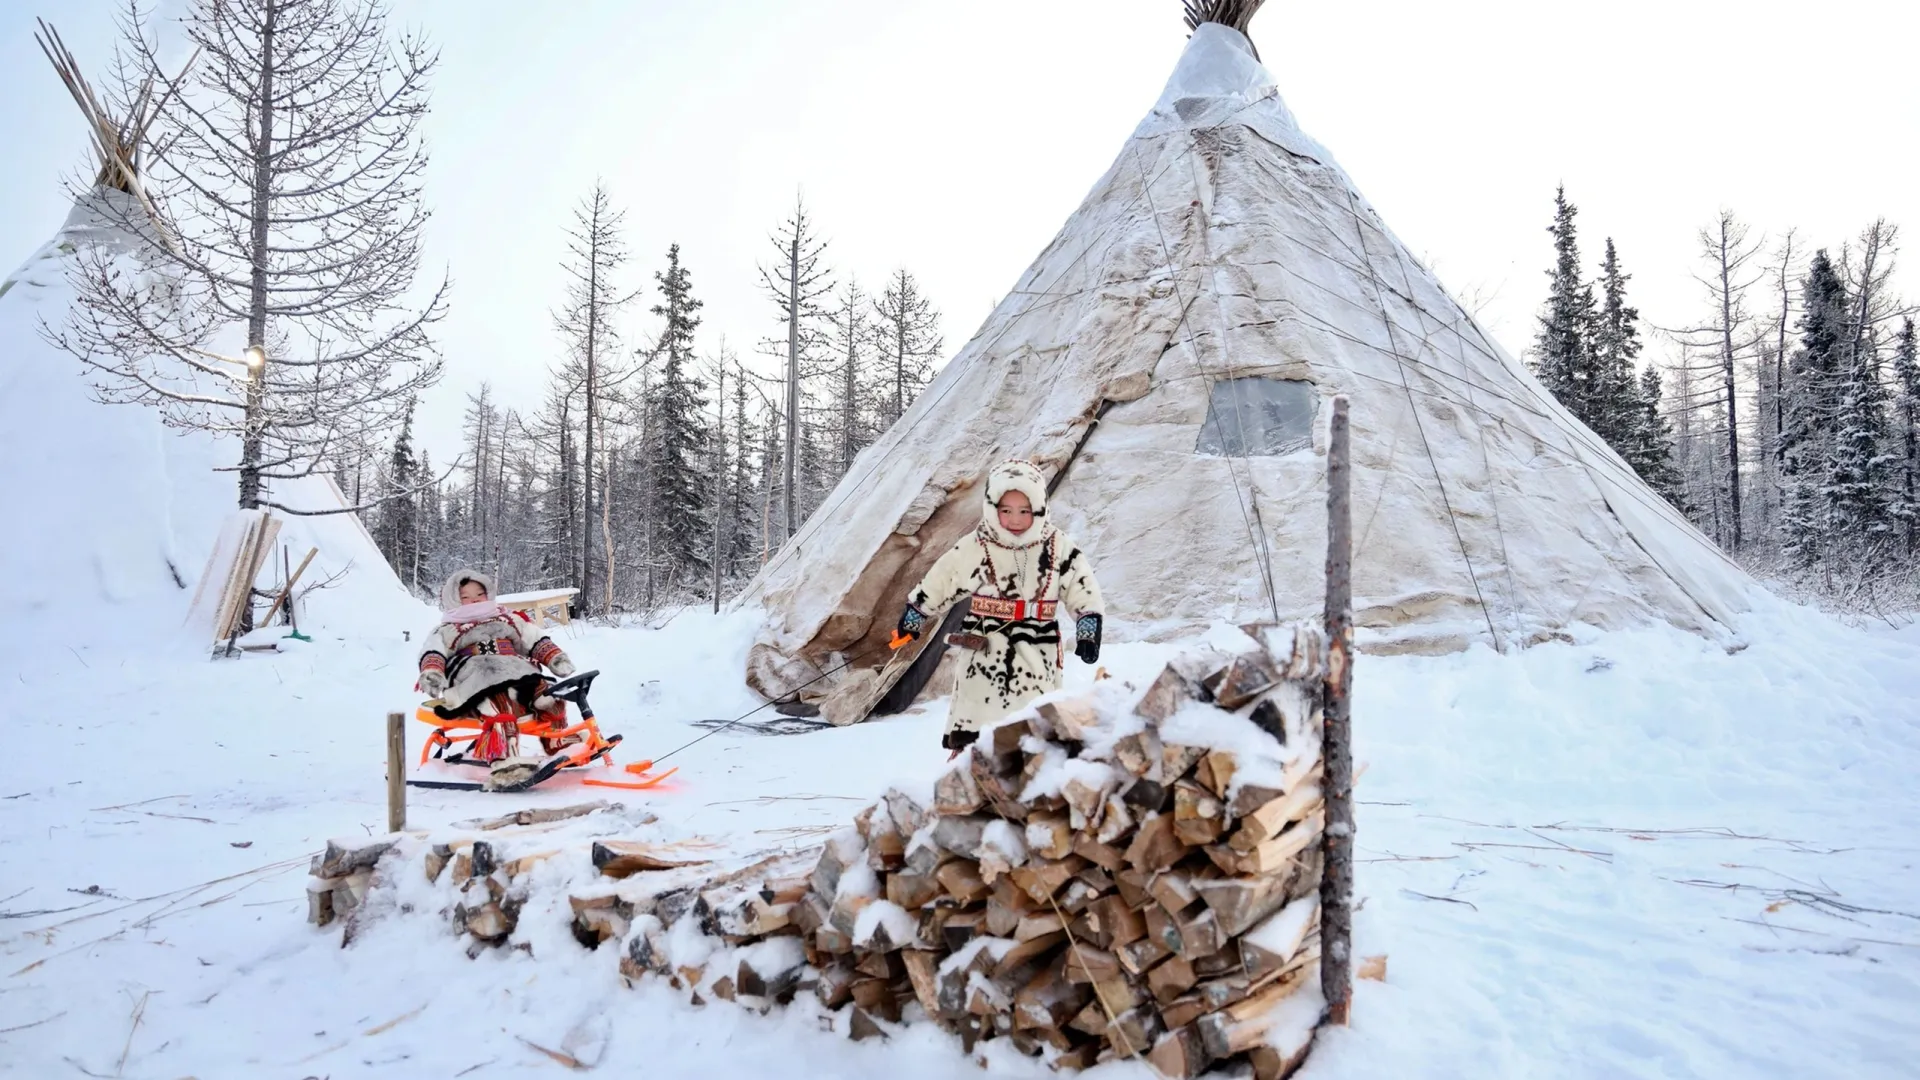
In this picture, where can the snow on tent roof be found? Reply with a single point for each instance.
(1223, 244)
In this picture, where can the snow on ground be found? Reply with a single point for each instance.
(1637, 855)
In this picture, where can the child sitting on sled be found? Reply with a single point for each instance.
(1014, 572)
(483, 660)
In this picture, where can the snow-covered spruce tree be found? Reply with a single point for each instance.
(288, 165)
(396, 524)
(1906, 436)
(1858, 518)
(799, 286)
(679, 443)
(1811, 397)
(907, 331)
(1650, 451)
(1858, 486)
(1614, 398)
(1563, 349)
(585, 320)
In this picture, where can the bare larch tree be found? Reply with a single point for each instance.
(288, 167)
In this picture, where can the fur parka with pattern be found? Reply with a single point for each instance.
(479, 658)
(1012, 659)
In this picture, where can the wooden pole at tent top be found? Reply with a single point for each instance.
(396, 772)
(1336, 882)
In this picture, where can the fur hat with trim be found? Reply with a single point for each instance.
(450, 592)
(1025, 478)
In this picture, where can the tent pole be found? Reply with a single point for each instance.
(1336, 884)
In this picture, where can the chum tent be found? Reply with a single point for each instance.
(1167, 361)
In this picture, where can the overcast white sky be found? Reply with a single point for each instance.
(954, 138)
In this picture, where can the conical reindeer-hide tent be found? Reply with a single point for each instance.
(1168, 361)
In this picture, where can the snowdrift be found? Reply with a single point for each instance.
(114, 514)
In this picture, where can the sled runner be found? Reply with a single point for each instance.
(575, 750)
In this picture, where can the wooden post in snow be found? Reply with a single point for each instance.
(1336, 882)
(396, 772)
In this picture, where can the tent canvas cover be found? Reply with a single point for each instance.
(1168, 362)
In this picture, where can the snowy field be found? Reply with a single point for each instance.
(1637, 855)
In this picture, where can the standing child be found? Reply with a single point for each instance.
(1014, 572)
(482, 660)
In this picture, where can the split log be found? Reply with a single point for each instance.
(1178, 1055)
(1177, 760)
(319, 901)
(438, 857)
(957, 835)
(1198, 817)
(621, 858)
(1243, 1026)
(961, 879)
(1271, 819)
(960, 928)
(1104, 855)
(835, 987)
(1132, 883)
(1069, 720)
(1049, 836)
(912, 891)
(1146, 796)
(1090, 965)
(1239, 903)
(343, 857)
(1164, 696)
(1006, 906)
(956, 793)
(923, 971)
(908, 816)
(1244, 678)
(1001, 793)
(540, 815)
(1134, 1032)
(1042, 880)
(1021, 961)
(1049, 1000)
(861, 1027)
(490, 922)
(1272, 856)
(1038, 924)
(1139, 754)
(886, 848)
(1215, 771)
(1170, 978)
(836, 855)
(1087, 802)
(1156, 846)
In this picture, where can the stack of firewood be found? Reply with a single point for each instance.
(340, 877)
(1117, 875)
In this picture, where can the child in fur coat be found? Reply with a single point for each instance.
(483, 660)
(1014, 572)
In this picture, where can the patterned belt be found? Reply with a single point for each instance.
(496, 647)
(996, 607)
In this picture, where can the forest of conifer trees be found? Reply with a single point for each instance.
(1782, 420)
(659, 469)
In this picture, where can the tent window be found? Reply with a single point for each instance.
(1258, 417)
